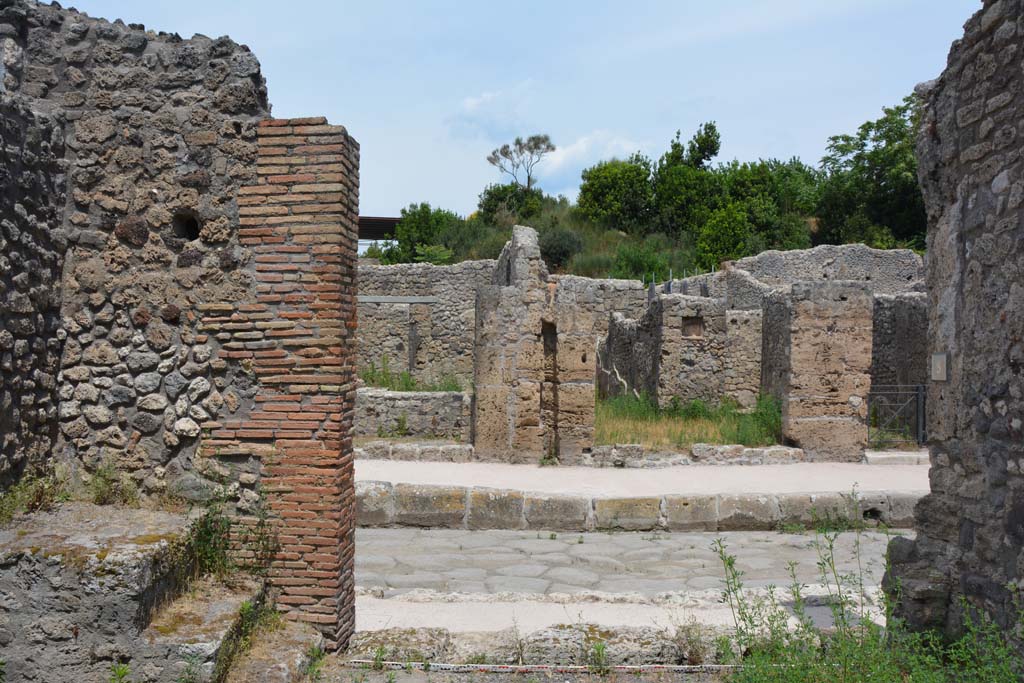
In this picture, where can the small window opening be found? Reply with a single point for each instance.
(186, 226)
(873, 514)
(693, 326)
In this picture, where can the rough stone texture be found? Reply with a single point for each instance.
(160, 134)
(534, 362)
(79, 586)
(429, 414)
(32, 245)
(817, 363)
(970, 540)
(430, 339)
(899, 345)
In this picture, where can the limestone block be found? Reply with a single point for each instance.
(375, 503)
(628, 514)
(492, 429)
(901, 509)
(808, 509)
(495, 509)
(750, 512)
(691, 513)
(430, 506)
(576, 360)
(557, 513)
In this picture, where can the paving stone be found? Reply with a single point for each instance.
(528, 570)
(573, 575)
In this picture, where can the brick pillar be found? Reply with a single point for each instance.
(301, 221)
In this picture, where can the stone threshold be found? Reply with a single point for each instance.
(384, 504)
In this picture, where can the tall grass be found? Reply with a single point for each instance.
(628, 419)
(384, 377)
(774, 644)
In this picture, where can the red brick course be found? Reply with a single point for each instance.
(300, 221)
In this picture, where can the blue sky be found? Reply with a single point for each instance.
(429, 88)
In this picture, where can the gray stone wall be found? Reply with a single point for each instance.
(899, 345)
(31, 256)
(741, 365)
(970, 528)
(886, 271)
(430, 414)
(420, 317)
(160, 134)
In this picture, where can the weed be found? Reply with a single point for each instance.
(379, 655)
(854, 649)
(33, 493)
(391, 677)
(210, 542)
(192, 673)
(110, 487)
(598, 660)
(400, 429)
(119, 673)
(315, 662)
(386, 378)
(3, 671)
(579, 541)
(260, 538)
(480, 658)
(552, 536)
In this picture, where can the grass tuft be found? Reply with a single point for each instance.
(384, 377)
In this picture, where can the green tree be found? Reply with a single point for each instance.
(419, 226)
(618, 194)
(559, 244)
(684, 198)
(521, 157)
(697, 152)
(725, 236)
(506, 204)
(870, 191)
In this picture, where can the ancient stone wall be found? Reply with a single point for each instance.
(817, 363)
(420, 317)
(430, 414)
(683, 348)
(160, 134)
(899, 345)
(886, 271)
(970, 528)
(741, 364)
(31, 257)
(534, 376)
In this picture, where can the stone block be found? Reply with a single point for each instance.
(901, 509)
(750, 512)
(430, 506)
(807, 509)
(691, 513)
(495, 509)
(556, 513)
(375, 503)
(627, 514)
(831, 439)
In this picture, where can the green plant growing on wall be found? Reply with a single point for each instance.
(119, 673)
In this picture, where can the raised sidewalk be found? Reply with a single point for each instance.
(685, 498)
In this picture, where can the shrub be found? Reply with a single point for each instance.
(32, 493)
(558, 245)
(110, 487)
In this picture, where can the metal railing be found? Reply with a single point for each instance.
(896, 416)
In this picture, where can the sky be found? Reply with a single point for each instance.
(430, 88)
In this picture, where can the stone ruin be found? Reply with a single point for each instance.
(177, 288)
(970, 540)
(533, 345)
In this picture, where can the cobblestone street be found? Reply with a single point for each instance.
(401, 560)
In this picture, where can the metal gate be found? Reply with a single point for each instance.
(896, 416)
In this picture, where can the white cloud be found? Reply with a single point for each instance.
(494, 114)
(586, 150)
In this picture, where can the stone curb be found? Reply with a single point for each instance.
(383, 504)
